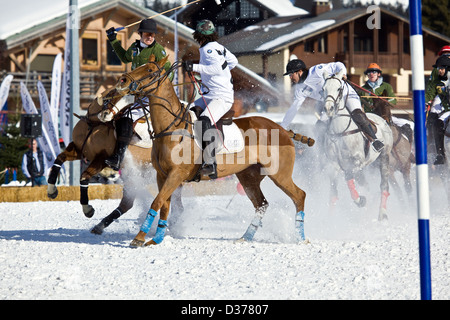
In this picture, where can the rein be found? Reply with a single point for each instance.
(336, 101)
(137, 89)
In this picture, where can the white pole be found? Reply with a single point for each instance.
(74, 82)
(423, 198)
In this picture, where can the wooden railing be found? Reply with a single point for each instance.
(88, 84)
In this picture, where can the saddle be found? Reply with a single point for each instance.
(232, 138)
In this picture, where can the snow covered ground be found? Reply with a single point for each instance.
(48, 252)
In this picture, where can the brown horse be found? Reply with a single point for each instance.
(401, 155)
(94, 140)
(269, 150)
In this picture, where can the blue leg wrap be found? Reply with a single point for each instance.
(148, 221)
(160, 231)
(300, 224)
(251, 230)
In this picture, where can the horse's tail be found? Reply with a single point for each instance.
(303, 139)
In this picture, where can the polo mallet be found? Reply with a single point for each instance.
(158, 14)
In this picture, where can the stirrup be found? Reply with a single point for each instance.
(114, 162)
(378, 145)
(440, 159)
(209, 170)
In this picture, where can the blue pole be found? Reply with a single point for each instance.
(420, 136)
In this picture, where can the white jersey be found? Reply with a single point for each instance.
(214, 67)
(312, 88)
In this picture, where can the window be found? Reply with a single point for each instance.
(90, 50)
(323, 41)
(111, 57)
(43, 63)
(228, 13)
(309, 45)
(248, 10)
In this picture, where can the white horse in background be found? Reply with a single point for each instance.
(347, 146)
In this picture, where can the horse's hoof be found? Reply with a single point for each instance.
(98, 229)
(136, 243)
(88, 210)
(240, 240)
(52, 195)
(150, 243)
(382, 216)
(361, 201)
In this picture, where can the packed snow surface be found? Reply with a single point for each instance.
(48, 252)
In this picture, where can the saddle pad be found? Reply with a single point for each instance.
(233, 140)
(142, 139)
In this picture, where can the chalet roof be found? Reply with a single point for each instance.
(57, 20)
(278, 8)
(277, 33)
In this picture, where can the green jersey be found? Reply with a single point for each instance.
(378, 90)
(139, 56)
(434, 88)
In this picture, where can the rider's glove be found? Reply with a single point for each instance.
(188, 66)
(111, 33)
(440, 89)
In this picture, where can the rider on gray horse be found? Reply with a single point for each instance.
(309, 83)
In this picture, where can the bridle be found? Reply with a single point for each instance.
(140, 90)
(336, 100)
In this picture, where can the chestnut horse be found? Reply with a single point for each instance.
(269, 150)
(95, 141)
(401, 155)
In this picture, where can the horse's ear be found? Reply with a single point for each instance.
(325, 74)
(340, 74)
(163, 61)
(151, 58)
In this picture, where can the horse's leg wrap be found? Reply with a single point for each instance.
(84, 198)
(251, 230)
(148, 220)
(352, 188)
(54, 172)
(98, 229)
(160, 231)
(384, 196)
(300, 225)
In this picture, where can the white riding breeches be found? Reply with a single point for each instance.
(214, 109)
(353, 102)
(139, 112)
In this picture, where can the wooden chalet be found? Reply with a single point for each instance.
(29, 54)
(344, 34)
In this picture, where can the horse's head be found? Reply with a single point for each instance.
(145, 77)
(332, 91)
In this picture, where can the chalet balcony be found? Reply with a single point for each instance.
(88, 83)
(386, 60)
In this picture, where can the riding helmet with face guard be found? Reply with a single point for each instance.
(372, 67)
(294, 66)
(205, 27)
(444, 50)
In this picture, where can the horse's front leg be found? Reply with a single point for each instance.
(95, 167)
(359, 200)
(162, 201)
(129, 195)
(69, 154)
(384, 185)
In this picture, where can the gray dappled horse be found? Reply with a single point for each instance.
(348, 148)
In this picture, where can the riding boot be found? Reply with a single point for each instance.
(124, 131)
(209, 167)
(439, 142)
(363, 123)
